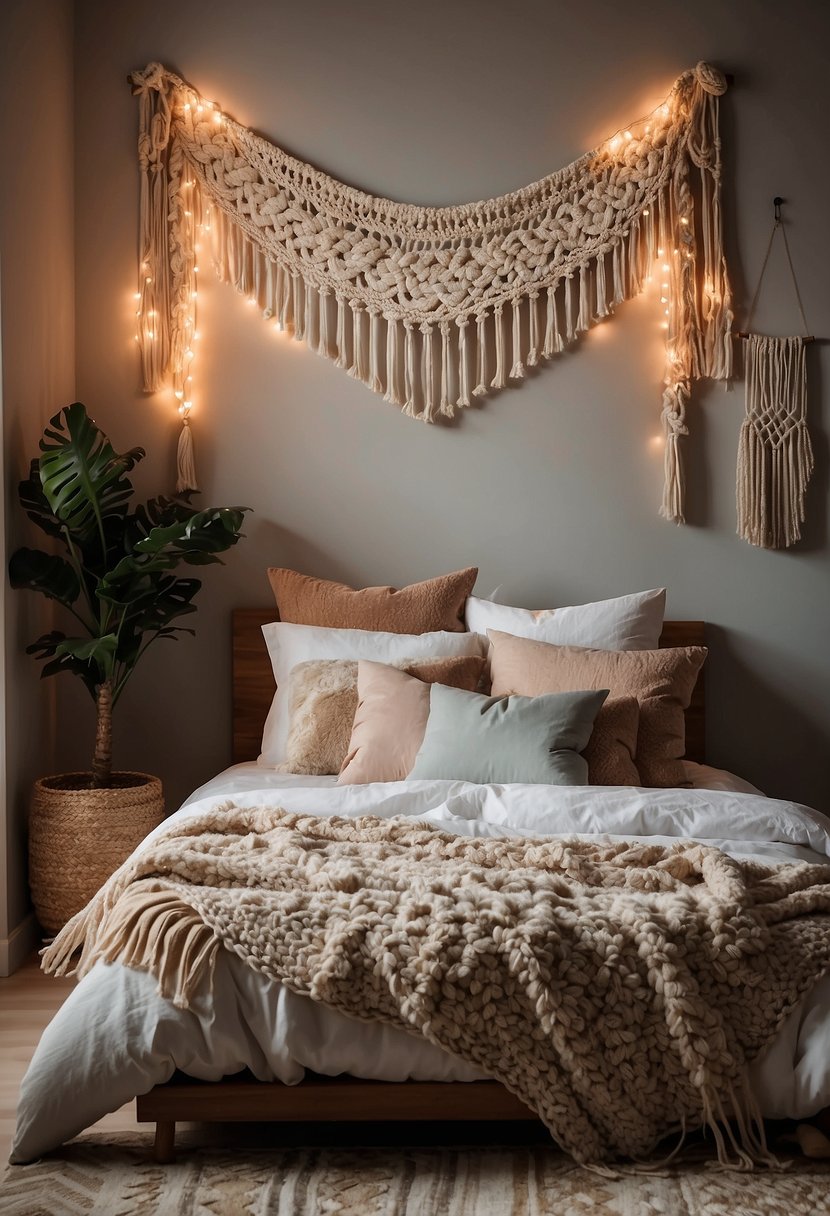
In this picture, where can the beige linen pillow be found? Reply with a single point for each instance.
(392, 712)
(662, 681)
(323, 698)
(428, 607)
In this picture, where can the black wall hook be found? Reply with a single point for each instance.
(777, 203)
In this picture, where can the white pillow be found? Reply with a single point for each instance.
(631, 622)
(290, 644)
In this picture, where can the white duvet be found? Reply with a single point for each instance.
(115, 1037)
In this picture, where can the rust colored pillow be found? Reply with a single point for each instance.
(662, 682)
(392, 712)
(437, 604)
(324, 697)
(612, 747)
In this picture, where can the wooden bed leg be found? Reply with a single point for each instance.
(164, 1145)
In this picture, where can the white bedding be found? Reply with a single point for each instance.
(115, 1037)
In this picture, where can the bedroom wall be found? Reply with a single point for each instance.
(552, 487)
(38, 365)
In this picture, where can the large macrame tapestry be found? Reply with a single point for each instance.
(432, 307)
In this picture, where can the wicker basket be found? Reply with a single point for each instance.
(78, 836)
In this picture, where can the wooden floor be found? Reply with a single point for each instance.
(28, 1000)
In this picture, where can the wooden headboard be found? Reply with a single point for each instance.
(253, 682)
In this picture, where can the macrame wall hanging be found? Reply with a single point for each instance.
(775, 456)
(432, 307)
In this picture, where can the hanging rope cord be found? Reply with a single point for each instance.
(778, 226)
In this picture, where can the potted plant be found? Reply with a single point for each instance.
(116, 578)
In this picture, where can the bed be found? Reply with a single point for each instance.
(255, 1051)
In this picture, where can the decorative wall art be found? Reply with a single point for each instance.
(432, 307)
(775, 455)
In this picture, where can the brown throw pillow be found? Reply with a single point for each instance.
(662, 681)
(323, 699)
(437, 604)
(613, 744)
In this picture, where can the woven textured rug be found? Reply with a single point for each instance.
(105, 1176)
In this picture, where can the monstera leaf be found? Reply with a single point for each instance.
(44, 572)
(35, 503)
(195, 539)
(82, 476)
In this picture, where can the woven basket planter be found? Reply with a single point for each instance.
(78, 836)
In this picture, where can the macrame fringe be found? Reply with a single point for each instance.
(775, 455)
(185, 461)
(606, 252)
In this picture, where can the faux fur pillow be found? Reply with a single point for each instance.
(428, 607)
(662, 681)
(323, 699)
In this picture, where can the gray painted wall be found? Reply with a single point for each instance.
(553, 487)
(38, 352)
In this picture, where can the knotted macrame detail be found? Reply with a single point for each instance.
(433, 307)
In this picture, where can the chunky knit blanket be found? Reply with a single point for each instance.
(617, 989)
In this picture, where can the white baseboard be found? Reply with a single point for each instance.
(19, 945)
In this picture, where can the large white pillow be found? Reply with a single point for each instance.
(631, 622)
(290, 644)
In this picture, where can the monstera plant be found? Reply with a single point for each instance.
(116, 574)
(116, 578)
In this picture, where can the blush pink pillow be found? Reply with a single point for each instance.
(392, 712)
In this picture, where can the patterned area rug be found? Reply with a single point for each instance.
(100, 1176)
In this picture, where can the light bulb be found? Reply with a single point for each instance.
(194, 295)
(150, 333)
(628, 135)
(614, 143)
(683, 220)
(196, 335)
(137, 295)
(665, 266)
(663, 300)
(664, 325)
(646, 212)
(148, 279)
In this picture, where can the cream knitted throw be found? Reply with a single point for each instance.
(433, 307)
(616, 989)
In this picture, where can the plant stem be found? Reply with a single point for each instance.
(102, 759)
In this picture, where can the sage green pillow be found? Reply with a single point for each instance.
(498, 740)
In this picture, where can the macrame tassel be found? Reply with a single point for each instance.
(323, 325)
(375, 383)
(284, 297)
(427, 373)
(533, 328)
(463, 364)
(618, 271)
(392, 393)
(185, 461)
(481, 356)
(445, 406)
(409, 372)
(602, 290)
(311, 299)
(517, 371)
(553, 338)
(342, 359)
(269, 304)
(297, 307)
(675, 397)
(357, 338)
(570, 332)
(583, 320)
(775, 455)
(499, 380)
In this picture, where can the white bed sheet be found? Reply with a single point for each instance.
(115, 1037)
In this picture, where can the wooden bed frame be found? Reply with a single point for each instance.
(334, 1099)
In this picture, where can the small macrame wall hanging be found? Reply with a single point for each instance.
(434, 307)
(775, 456)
